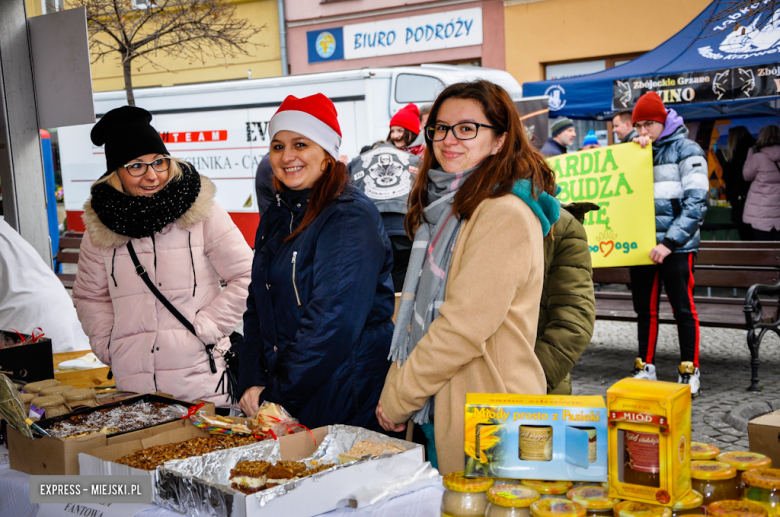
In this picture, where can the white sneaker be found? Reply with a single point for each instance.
(689, 375)
(642, 370)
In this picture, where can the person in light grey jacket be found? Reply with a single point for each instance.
(762, 207)
(680, 187)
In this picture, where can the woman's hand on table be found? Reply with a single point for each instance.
(250, 401)
(385, 422)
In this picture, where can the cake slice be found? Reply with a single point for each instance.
(249, 476)
(364, 448)
(284, 472)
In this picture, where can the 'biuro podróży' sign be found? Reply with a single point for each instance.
(620, 180)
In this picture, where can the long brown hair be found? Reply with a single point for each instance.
(327, 188)
(767, 137)
(517, 159)
(407, 139)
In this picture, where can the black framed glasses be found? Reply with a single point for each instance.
(462, 131)
(137, 169)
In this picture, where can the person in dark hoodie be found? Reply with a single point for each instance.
(732, 159)
(562, 136)
(681, 185)
(318, 322)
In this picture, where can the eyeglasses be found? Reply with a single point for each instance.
(646, 125)
(137, 169)
(462, 131)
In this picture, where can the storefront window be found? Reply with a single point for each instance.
(416, 88)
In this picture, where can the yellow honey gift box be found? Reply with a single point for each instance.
(649, 441)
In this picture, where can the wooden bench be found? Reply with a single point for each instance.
(68, 253)
(746, 267)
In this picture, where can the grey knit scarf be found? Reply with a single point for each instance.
(429, 264)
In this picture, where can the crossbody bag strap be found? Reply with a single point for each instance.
(140, 270)
(778, 166)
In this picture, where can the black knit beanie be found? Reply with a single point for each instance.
(127, 135)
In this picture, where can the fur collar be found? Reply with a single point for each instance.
(104, 238)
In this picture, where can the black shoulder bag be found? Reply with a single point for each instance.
(229, 376)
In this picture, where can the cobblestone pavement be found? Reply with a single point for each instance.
(724, 365)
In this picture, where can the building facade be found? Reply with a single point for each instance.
(264, 60)
(326, 35)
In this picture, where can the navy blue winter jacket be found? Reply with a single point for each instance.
(318, 326)
(680, 184)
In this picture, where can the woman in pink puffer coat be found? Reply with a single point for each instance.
(185, 241)
(762, 167)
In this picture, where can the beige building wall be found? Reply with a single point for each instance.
(541, 32)
(263, 61)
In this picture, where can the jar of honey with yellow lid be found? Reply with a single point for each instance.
(762, 486)
(549, 489)
(690, 504)
(735, 509)
(715, 481)
(464, 497)
(506, 481)
(510, 501)
(635, 509)
(557, 508)
(744, 461)
(703, 451)
(594, 499)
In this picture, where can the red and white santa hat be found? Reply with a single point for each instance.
(314, 117)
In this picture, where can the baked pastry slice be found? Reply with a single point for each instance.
(249, 476)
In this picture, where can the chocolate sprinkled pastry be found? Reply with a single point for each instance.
(114, 420)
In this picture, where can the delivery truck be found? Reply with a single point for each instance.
(222, 127)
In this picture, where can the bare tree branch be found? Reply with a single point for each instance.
(194, 30)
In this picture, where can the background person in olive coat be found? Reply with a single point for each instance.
(567, 310)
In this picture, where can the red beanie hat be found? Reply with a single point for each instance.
(407, 117)
(314, 117)
(649, 107)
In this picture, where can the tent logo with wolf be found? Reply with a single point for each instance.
(748, 41)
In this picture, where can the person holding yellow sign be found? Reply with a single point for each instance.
(680, 185)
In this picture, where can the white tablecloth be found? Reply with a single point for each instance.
(15, 500)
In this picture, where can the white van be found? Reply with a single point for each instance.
(221, 128)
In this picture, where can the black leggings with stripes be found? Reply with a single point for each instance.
(675, 274)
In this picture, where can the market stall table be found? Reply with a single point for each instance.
(15, 499)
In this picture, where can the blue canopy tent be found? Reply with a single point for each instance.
(708, 70)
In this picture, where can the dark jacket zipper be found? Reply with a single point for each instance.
(295, 286)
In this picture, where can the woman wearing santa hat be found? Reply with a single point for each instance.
(405, 131)
(318, 326)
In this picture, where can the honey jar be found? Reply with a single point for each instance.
(464, 497)
(690, 504)
(552, 507)
(715, 481)
(636, 509)
(549, 489)
(594, 499)
(762, 486)
(703, 451)
(744, 461)
(506, 481)
(510, 501)
(735, 509)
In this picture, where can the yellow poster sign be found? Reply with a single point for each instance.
(619, 179)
